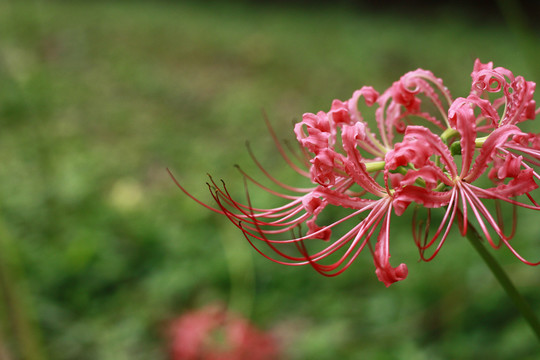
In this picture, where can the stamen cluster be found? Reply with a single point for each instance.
(427, 149)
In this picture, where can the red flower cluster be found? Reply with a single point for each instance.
(428, 149)
(214, 334)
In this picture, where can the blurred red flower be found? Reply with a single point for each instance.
(213, 333)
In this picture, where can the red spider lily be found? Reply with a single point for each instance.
(212, 333)
(343, 159)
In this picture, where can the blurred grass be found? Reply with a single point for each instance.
(97, 99)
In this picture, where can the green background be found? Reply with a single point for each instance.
(99, 250)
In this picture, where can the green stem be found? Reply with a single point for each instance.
(448, 133)
(374, 166)
(519, 301)
(14, 303)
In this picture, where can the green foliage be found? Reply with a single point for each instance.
(98, 99)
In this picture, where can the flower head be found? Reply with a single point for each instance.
(410, 158)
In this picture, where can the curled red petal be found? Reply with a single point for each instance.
(422, 133)
(412, 150)
(461, 117)
(403, 197)
(370, 96)
(318, 136)
(495, 140)
(521, 184)
(385, 272)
